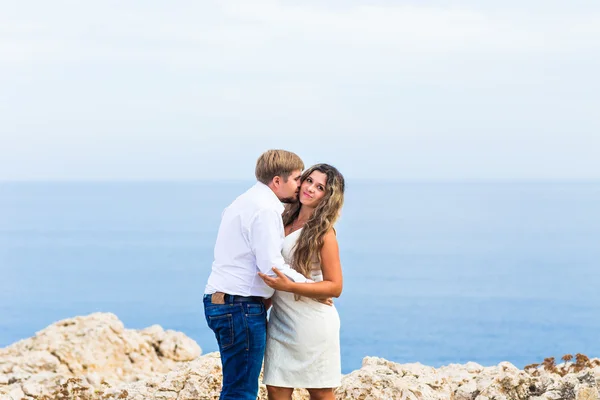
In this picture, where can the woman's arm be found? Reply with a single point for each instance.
(331, 286)
(267, 303)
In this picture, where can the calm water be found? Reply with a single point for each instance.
(435, 273)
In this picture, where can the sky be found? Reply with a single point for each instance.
(402, 90)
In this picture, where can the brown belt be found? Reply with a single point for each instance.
(222, 298)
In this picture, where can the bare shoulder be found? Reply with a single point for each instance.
(330, 238)
(330, 255)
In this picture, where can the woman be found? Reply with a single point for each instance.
(303, 345)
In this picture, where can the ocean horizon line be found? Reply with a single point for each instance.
(356, 180)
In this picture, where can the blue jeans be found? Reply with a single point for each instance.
(240, 326)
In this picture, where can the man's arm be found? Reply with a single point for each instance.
(266, 241)
(331, 286)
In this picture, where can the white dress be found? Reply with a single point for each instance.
(303, 338)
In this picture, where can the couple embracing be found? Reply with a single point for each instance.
(285, 258)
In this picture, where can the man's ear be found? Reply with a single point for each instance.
(276, 181)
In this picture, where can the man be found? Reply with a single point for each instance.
(249, 241)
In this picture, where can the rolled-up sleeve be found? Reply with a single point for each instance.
(266, 240)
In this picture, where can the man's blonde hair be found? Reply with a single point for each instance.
(274, 163)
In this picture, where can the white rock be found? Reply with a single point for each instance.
(95, 348)
(179, 347)
(82, 353)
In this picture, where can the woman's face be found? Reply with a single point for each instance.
(312, 190)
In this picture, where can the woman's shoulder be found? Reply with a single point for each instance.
(330, 236)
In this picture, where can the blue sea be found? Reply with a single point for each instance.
(435, 273)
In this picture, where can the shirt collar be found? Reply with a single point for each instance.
(271, 196)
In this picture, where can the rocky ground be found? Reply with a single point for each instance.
(95, 357)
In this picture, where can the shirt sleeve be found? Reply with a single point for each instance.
(266, 240)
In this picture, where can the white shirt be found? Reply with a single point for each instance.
(250, 239)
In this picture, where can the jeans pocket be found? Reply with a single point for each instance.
(222, 326)
(255, 309)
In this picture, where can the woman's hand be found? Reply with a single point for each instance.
(280, 282)
(328, 301)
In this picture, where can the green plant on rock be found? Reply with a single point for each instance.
(549, 364)
(581, 362)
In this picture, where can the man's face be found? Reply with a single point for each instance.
(288, 191)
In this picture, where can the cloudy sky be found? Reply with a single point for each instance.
(425, 90)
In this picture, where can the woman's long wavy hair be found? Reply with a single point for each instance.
(309, 244)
